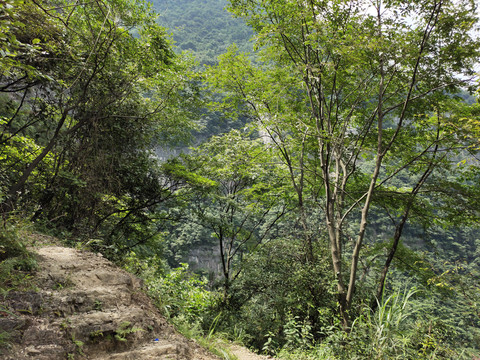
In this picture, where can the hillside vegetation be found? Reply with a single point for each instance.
(204, 28)
(329, 208)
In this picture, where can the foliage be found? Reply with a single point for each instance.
(4, 340)
(359, 163)
(180, 294)
(16, 261)
(16, 48)
(17, 265)
(397, 330)
(236, 197)
(384, 328)
(276, 289)
(202, 27)
(124, 329)
(205, 29)
(184, 299)
(351, 95)
(78, 347)
(82, 112)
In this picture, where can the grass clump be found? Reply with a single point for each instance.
(4, 340)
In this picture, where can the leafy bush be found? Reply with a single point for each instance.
(179, 293)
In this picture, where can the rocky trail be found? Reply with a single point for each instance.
(87, 308)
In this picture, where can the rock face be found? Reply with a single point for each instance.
(86, 308)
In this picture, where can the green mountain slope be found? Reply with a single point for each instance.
(203, 27)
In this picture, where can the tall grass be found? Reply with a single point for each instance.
(386, 328)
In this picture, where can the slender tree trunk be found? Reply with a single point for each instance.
(388, 261)
(399, 228)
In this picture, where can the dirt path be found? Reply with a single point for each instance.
(87, 308)
(244, 354)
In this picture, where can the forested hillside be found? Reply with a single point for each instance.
(332, 208)
(202, 27)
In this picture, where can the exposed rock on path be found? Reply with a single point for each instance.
(86, 308)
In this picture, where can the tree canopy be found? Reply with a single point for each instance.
(366, 90)
(87, 91)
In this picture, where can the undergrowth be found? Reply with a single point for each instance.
(215, 342)
(17, 263)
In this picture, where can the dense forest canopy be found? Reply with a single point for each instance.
(335, 197)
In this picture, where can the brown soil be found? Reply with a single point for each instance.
(86, 308)
(244, 354)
